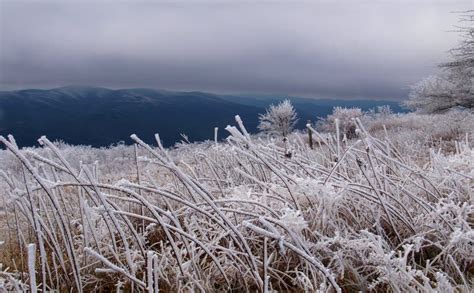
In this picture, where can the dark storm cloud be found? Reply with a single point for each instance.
(372, 49)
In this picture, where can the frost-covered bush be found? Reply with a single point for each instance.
(413, 133)
(243, 216)
(346, 121)
(278, 119)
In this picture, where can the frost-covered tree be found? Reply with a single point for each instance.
(454, 85)
(279, 119)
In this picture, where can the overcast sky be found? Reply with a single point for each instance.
(349, 49)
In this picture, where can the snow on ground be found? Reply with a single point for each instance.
(388, 207)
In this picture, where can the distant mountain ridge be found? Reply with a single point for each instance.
(99, 116)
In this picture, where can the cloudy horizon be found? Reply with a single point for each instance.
(322, 49)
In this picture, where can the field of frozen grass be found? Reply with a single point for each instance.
(388, 210)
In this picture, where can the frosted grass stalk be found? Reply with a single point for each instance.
(32, 266)
(150, 268)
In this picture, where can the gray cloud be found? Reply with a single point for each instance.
(373, 49)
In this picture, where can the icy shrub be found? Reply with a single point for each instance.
(412, 132)
(345, 117)
(278, 119)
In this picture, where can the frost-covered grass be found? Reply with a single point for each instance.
(390, 210)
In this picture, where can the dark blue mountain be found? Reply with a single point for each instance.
(99, 117)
